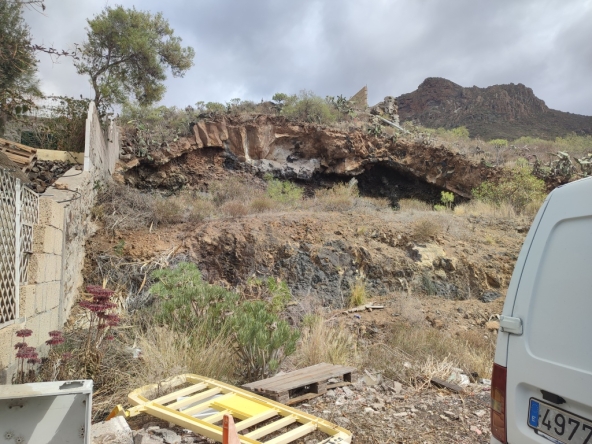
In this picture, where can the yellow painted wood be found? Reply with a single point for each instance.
(249, 408)
(270, 428)
(293, 435)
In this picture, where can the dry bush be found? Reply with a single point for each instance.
(234, 208)
(261, 204)
(233, 188)
(414, 205)
(340, 197)
(480, 208)
(426, 229)
(198, 209)
(320, 342)
(358, 294)
(414, 354)
(167, 353)
(167, 211)
(124, 208)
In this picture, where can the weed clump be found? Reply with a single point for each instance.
(426, 229)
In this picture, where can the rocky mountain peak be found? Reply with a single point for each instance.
(499, 111)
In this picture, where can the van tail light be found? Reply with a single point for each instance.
(498, 403)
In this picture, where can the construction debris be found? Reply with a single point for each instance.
(197, 404)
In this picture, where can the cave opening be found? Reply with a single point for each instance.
(389, 182)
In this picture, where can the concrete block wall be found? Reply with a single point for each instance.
(41, 298)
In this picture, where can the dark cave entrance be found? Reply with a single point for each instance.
(387, 182)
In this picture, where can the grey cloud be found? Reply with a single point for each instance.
(254, 48)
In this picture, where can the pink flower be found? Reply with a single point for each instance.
(19, 345)
(24, 333)
(55, 334)
(110, 337)
(27, 353)
(55, 341)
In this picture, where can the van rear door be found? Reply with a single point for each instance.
(549, 366)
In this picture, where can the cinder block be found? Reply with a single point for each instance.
(48, 295)
(48, 321)
(58, 244)
(27, 300)
(7, 342)
(47, 239)
(38, 264)
(51, 213)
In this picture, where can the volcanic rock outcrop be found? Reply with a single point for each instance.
(498, 111)
(269, 144)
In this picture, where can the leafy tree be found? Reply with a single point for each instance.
(127, 53)
(18, 65)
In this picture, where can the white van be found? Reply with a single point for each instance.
(542, 376)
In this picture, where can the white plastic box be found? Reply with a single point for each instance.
(46, 413)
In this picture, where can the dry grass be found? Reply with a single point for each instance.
(340, 197)
(168, 353)
(321, 342)
(235, 208)
(358, 294)
(426, 229)
(414, 354)
(263, 203)
(414, 205)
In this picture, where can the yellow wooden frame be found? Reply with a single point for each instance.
(250, 409)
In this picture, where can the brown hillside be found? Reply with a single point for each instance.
(499, 111)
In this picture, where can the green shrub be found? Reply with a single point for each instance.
(461, 132)
(520, 189)
(283, 191)
(185, 299)
(309, 107)
(208, 313)
(263, 340)
(447, 198)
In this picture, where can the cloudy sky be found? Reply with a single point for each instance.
(251, 49)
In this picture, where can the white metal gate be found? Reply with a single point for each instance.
(19, 211)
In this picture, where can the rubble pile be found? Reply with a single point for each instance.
(380, 410)
(45, 172)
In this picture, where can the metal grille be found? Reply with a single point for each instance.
(19, 211)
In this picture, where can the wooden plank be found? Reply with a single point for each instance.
(254, 420)
(193, 399)
(294, 375)
(20, 146)
(270, 428)
(300, 378)
(308, 380)
(440, 383)
(293, 435)
(179, 393)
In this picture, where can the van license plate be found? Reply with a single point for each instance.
(557, 423)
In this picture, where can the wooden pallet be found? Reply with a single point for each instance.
(22, 155)
(200, 404)
(303, 384)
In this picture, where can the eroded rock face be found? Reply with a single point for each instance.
(300, 151)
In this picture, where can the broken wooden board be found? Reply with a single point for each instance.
(22, 155)
(301, 385)
(365, 307)
(440, 383)
(199, 404)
